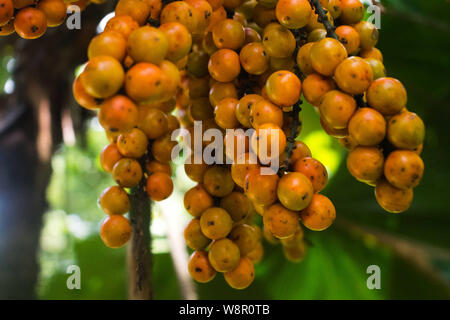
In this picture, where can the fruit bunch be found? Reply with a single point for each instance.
(132, 80)
(235, 71)
(240, 80)
(346, 80)
(30, 18)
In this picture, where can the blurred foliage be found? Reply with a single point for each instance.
(415, 41)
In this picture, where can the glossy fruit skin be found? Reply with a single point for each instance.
(203, 12)
(136, 9)
(153, 123)
(278, 41)
(354, 75)
(335, 133)
(194, 237)
(224, 255)
(335, 8)
(295, 191)
(54, 10)
(320, 214)
(109, 157)
(108, 43)
(179, 40)
(352, 11)
(281, 222)
(228, 34)
(122, 24)
(403, 169)
(182, 12)
(216, 223)
(115, 231)
(243, 165)
(367, 127)
(366, 164)
(368, 34)
(256, 254)
(156, 166)
(83, 98)
(225, 113)
(337, 108)
(162, 148)
(102, 77)
(372, 53)
(349, 38)
(224, 65)
(118, 114)
(268, 142)
(132, 144)
(237, 205)
(263, 16)
(315, 86)
(159, 186)
(251, 35)
(304, 59)
(218, 181)
(147, 44)
(199, 267)
(127, 173)
(300, 150)
(283, 88)
(326, 55)
(293, 14)
(317, 35)
(243, 109)
(263, 112)
(377, 66)
(194, 171)
(387, 95)
(245, 237)
(314, 170)
(30, 23)
(406, 130)
(7, 29)
(114, 200)
(259, 188)
(6, 11)
(347, 142)
(197, 200)
(392, 199)
(221, 90)
(295, 239)
(314, 24)
(254, 58)
(242, 276)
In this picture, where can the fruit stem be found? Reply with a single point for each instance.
(294, 113)
(323, 18)
(139, 257)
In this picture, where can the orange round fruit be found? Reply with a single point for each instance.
(320, 214)
(115, 231)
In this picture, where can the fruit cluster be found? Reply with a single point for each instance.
(30, 18)
(240, 79)
(346, 80)
(240, 68)
(131, 79)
